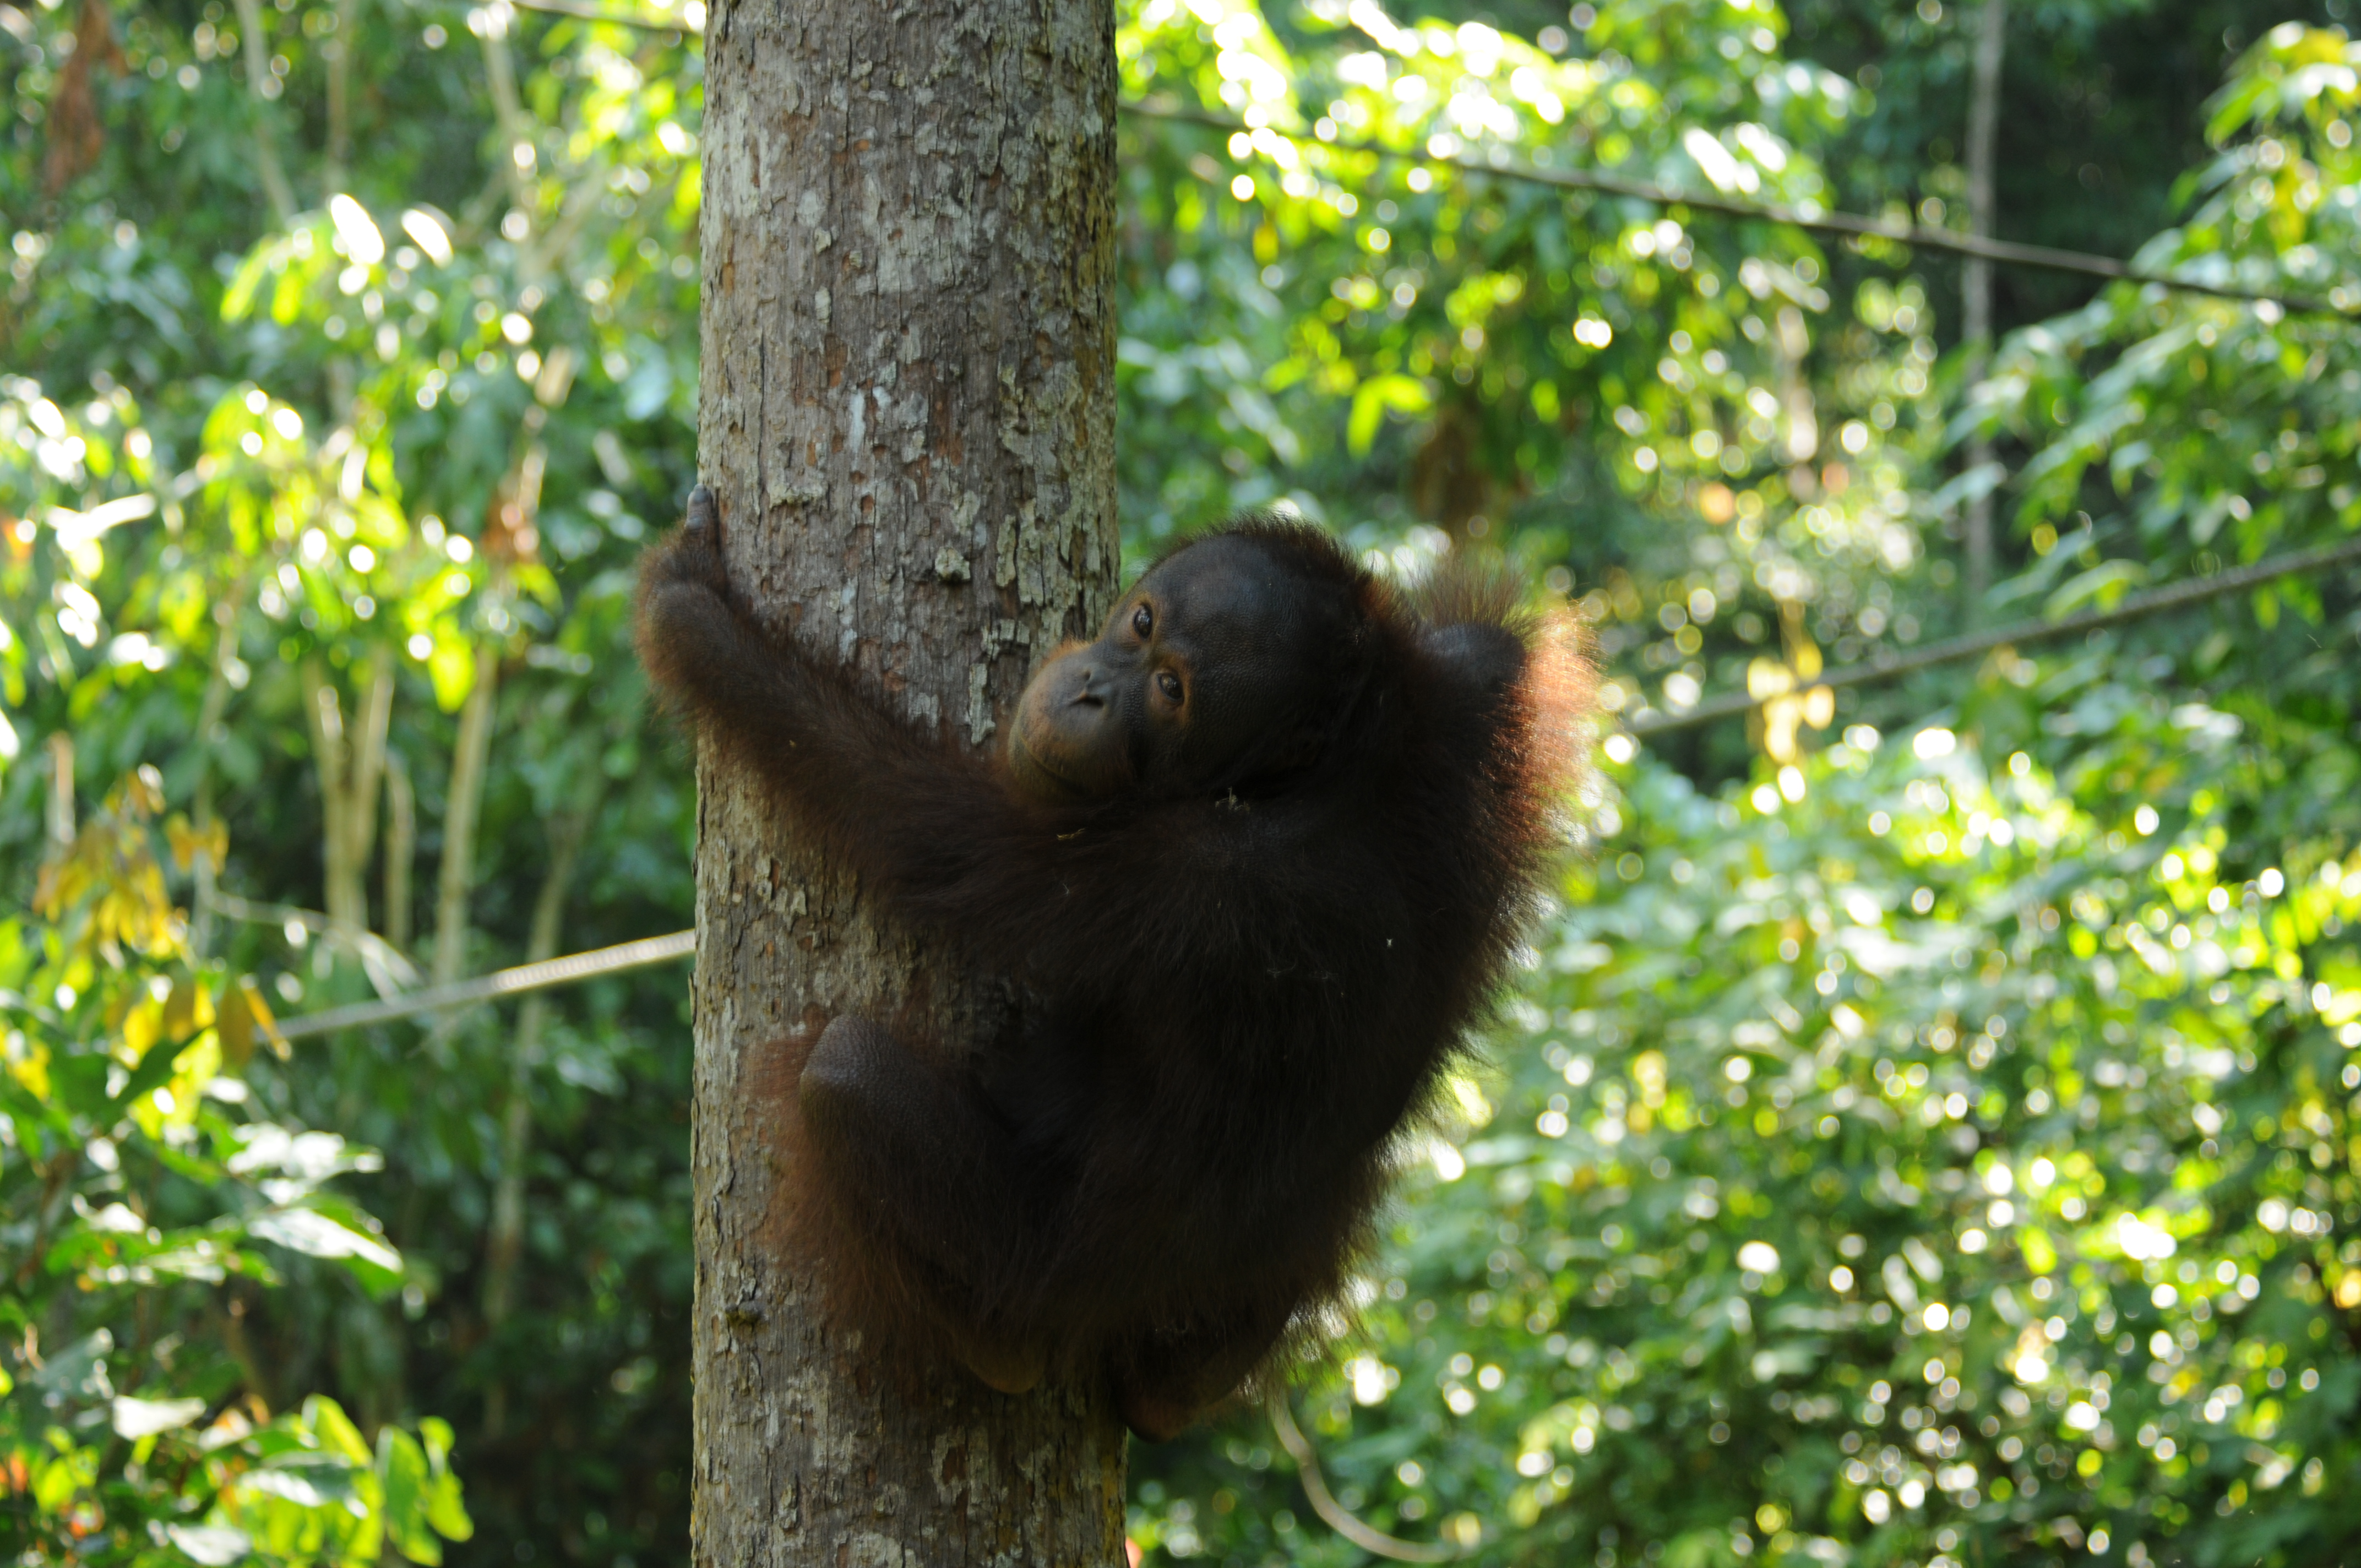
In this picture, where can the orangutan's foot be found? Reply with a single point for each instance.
(1154, 1415)
(1005, 1367)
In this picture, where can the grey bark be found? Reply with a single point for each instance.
(1976, 277)
(906, 410)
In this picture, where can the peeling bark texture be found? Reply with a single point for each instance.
(907, 414)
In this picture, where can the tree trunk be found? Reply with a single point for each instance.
(907, 411)
(1976, 277)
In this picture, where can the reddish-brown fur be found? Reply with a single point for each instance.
(1231, 1000)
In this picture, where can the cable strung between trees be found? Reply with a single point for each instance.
(1849, 225)
(577, 967)
(1338, 1517)
(1846, 225)
(2134, 607)
(580, 967)
(568, 970)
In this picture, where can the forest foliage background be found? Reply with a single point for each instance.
(1924, 1130)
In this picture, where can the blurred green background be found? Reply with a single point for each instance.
(1923, 1131)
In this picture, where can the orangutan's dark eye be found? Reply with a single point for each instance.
(1169, 683)
(1142, 621)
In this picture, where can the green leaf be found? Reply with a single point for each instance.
(408, 1487)
(154, 1070)
(1373, 399)
(310, 1232)
(334, 1429)
(444, 1509)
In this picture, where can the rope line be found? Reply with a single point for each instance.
(575, 967)
(571, 969)
(1849, 226)
(583, 11)
(2155, 602)
(1367, 1537)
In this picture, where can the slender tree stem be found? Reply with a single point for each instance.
(504, 1243)
(401, 850)
(61, 789)
(365, 773)
(459, 818)
(203, 872)
(339, 50)
(1976, 280)
(516, 131)
(330, 762)
(259, 81)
